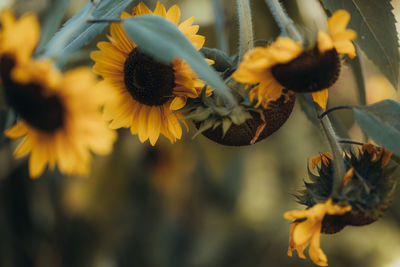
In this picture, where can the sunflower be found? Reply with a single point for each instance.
(61, 119)
(284, 64)
(146, 91)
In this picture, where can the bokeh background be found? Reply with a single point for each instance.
(194, 203)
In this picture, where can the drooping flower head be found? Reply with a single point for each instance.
(60, 114)
(362, 198)
(284, 64)
(146, 91)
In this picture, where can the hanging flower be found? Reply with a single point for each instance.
(284, 64)
(61, 120)
(146, 91)
(306, 229)
(364, 196)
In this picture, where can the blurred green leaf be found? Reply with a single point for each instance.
(381, 121)
(377, 36)
(307, 106)
(164, 41)
(54, 15)
(77, 32)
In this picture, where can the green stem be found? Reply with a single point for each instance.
(338, 164)
(246, 37)
(284, 22)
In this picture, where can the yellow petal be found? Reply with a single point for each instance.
(345, 47)
(324, 42)
(321, 98)
(37, 162)
(160, 10)
(141, 9)
(7, 18)
(284, 50)
(24, 147)
(143, 123)
(154, 124)
(178, 103)
(174, 14)
(338, 21)
(17, 131)
(315, 252)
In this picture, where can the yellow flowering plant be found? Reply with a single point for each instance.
(68, 92)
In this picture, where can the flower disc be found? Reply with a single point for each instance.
(311, 71)
(243, 134)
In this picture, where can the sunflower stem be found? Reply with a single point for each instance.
(284, 22)
(219, 17)
(338, 164)
(245, 27)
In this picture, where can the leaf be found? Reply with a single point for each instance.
(307, 106)
(381, 121)
(54, 15)
(77, 32)
(164, 41)
(377, 36)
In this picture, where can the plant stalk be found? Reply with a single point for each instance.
(338, 164)
(284, 22)
(246, 35)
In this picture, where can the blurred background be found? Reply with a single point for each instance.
(194, 203)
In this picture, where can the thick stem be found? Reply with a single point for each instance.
(284, 22)
(219, 16)
(245, 27)
(338, 164)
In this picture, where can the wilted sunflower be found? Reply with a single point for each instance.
(363, 197)
(61, 120)
(284, 64)
(146, 90)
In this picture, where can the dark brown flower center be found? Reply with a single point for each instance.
(148, 81)
(309, 72)
(41, 111)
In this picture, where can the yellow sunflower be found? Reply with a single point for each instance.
(61, 119)
(284, 64)
(146, 91)
(308, 232)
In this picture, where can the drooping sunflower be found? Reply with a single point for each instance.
(61, 119)
(284, 64)
(146, 91)
(363, 197)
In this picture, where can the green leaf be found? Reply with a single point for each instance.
(307, 106)
(77, 31)
(381, 121)
(377, 36)
(54, 15)
(161, 39)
